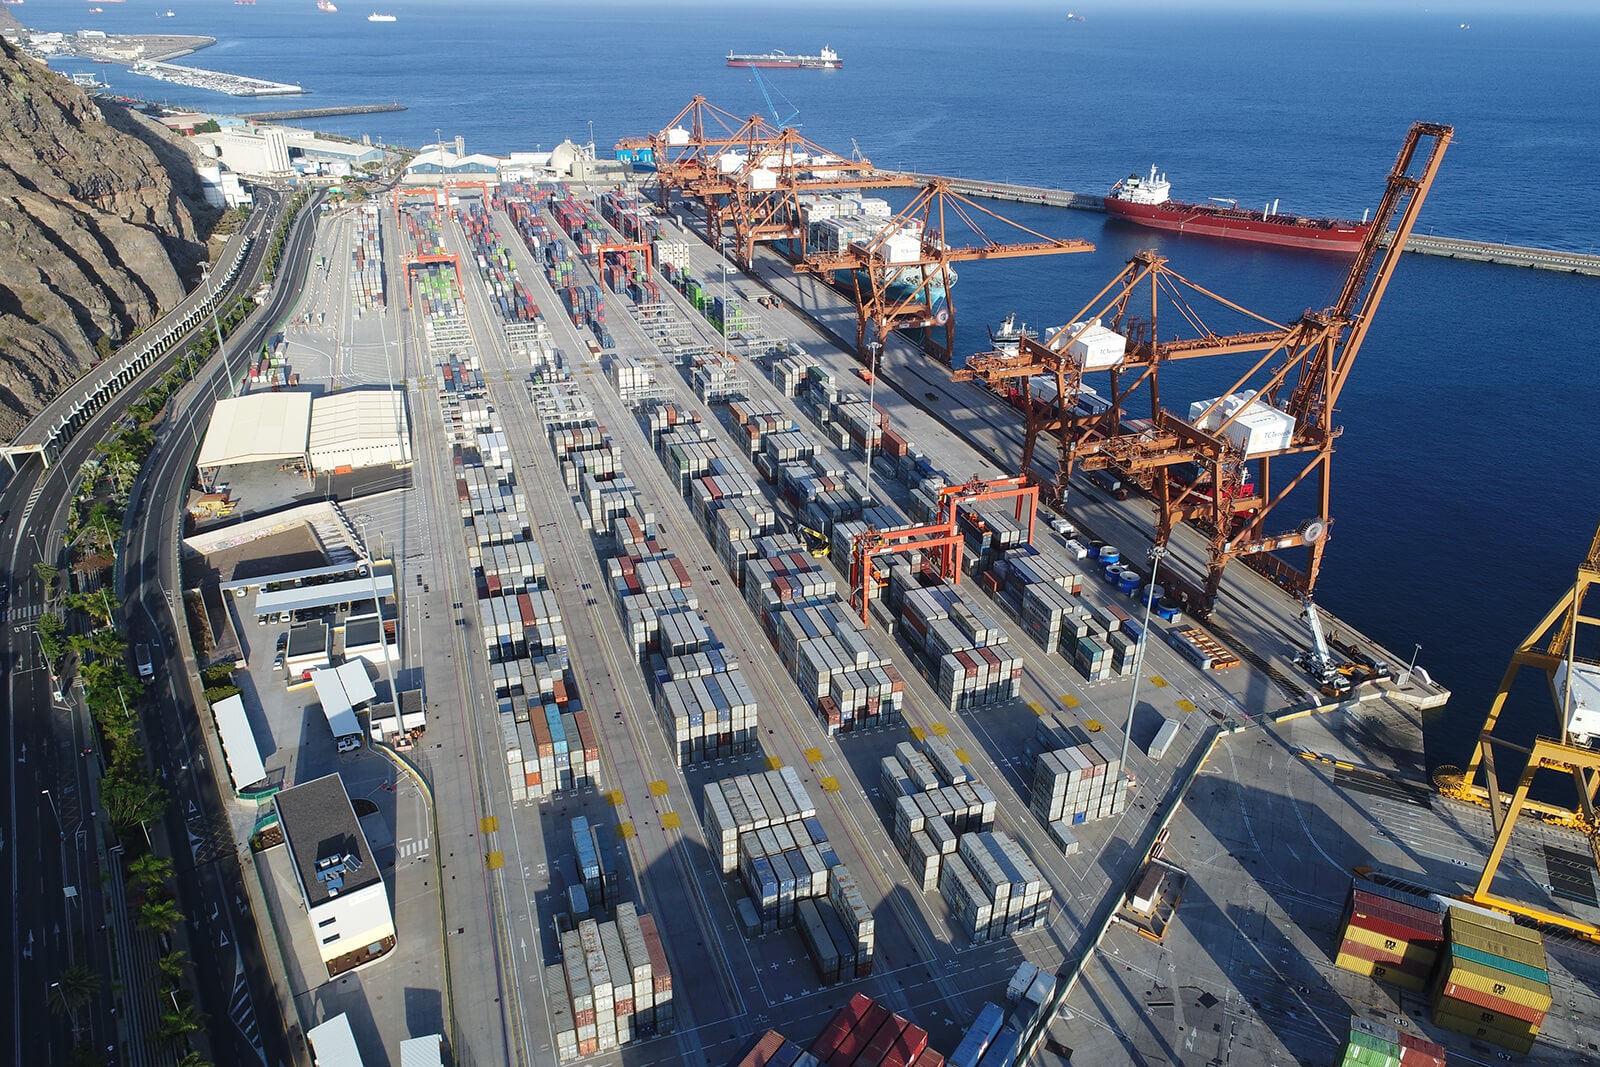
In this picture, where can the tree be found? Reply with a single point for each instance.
(179, 1022)
(193, 1059)
(151, 870)
(74, 989)
(131, 794)
(103, 347)
(47, 576)
(172, 965)
(160, 916)
(50, 628)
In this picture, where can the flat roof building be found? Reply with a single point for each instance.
(346, 901)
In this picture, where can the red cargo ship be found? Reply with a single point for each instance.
(1147, 201)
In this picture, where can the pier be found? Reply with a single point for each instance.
(320, 112)
(1422, 244)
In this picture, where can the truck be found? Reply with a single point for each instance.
(864, 374)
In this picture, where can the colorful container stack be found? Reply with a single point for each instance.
(613, 985)
(969, 656)
(366, 261)
(865, 1033)
(1077, 776)
(1380, 1045)
(1390, 934)
(1493, 981)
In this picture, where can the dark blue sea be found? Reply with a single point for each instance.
(1467, 484)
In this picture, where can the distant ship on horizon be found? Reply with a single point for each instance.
(375, 17)
(326, 5)
(827, 59)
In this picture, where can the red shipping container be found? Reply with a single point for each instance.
(525, 608)
(1420, 1052)
(878, 1048)
(660, 973)
(584, 1017)
(1488, 1002)
(588, 1046)
(530, 779)
(929, 1058)
(859, 1036)
(559, 691)
(907, 1047)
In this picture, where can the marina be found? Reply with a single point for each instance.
(214, 80)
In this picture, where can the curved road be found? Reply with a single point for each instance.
(48, 779)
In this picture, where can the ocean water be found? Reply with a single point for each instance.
(1466, 483)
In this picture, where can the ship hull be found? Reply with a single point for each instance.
(785, 64)
(1329, 235)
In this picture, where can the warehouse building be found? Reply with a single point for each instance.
(337, 432)
(341, 888)
(358, 428)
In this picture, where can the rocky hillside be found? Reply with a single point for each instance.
(98, 229)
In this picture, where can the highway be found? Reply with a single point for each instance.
(54, 842)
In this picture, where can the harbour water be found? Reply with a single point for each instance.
(1466, 484)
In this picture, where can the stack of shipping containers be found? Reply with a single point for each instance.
(1390, 934)
(969, 656)
(936, 799)
(993, 887)
(1373, 1044)
(612, 986)
(1077, 778)
(366, 261)
(1493, 981)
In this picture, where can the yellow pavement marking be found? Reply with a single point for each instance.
(1071, 701)
(773, 763)
(1036, 707)
(1093, 725)
(495, 860)
(829, 784)
(961, 754)
(488, 824)
(670, 820)
(624, 830)
(939, 729)
(918, 733)
(813, 755)
(1158, 681)
(614, 797)
(658, 788)
(1186, 705)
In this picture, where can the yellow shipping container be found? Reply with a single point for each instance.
(1352, 963)
(1511, 987)
(1497, 939)
(1515, 1040)
(1394, 976)
(1409, 951)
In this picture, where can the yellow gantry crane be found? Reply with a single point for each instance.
(1552, 648)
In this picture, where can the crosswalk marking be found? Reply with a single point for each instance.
(33, 498)
(27, 613)
(408, 849)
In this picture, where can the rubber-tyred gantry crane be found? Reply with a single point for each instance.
(1299, 372)
(936, 213)
(939, 542)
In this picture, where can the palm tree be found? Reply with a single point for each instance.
(193, 1059)
(151, 870)
(74, 989)
(160, 917)
(172, 965)
(179, 1022)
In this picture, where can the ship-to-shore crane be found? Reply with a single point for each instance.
(878, 268)
(1299, 371)
(1561, 648)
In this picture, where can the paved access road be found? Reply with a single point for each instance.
(52, 834)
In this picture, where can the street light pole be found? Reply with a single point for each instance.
(222, 352)
(1156, 552)
(52, 800)
(1413, 666)
(872, 385)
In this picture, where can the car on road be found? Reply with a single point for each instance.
(141, 658)
(4, 515)
(5, 592)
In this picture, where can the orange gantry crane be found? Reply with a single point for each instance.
(1296, 377)
(432, 192)
(940, 542)
(885, 266)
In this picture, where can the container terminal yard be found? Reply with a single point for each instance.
(730, 698)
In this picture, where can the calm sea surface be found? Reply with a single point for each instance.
(1467, 483)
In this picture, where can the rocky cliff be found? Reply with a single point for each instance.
(98, 229)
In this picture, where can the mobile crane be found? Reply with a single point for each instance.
(1318, 660)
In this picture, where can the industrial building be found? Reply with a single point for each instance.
(336, 432)
(345, 899)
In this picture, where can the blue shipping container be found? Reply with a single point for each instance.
(978, 1035)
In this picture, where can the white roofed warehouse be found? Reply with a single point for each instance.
(358, 428)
